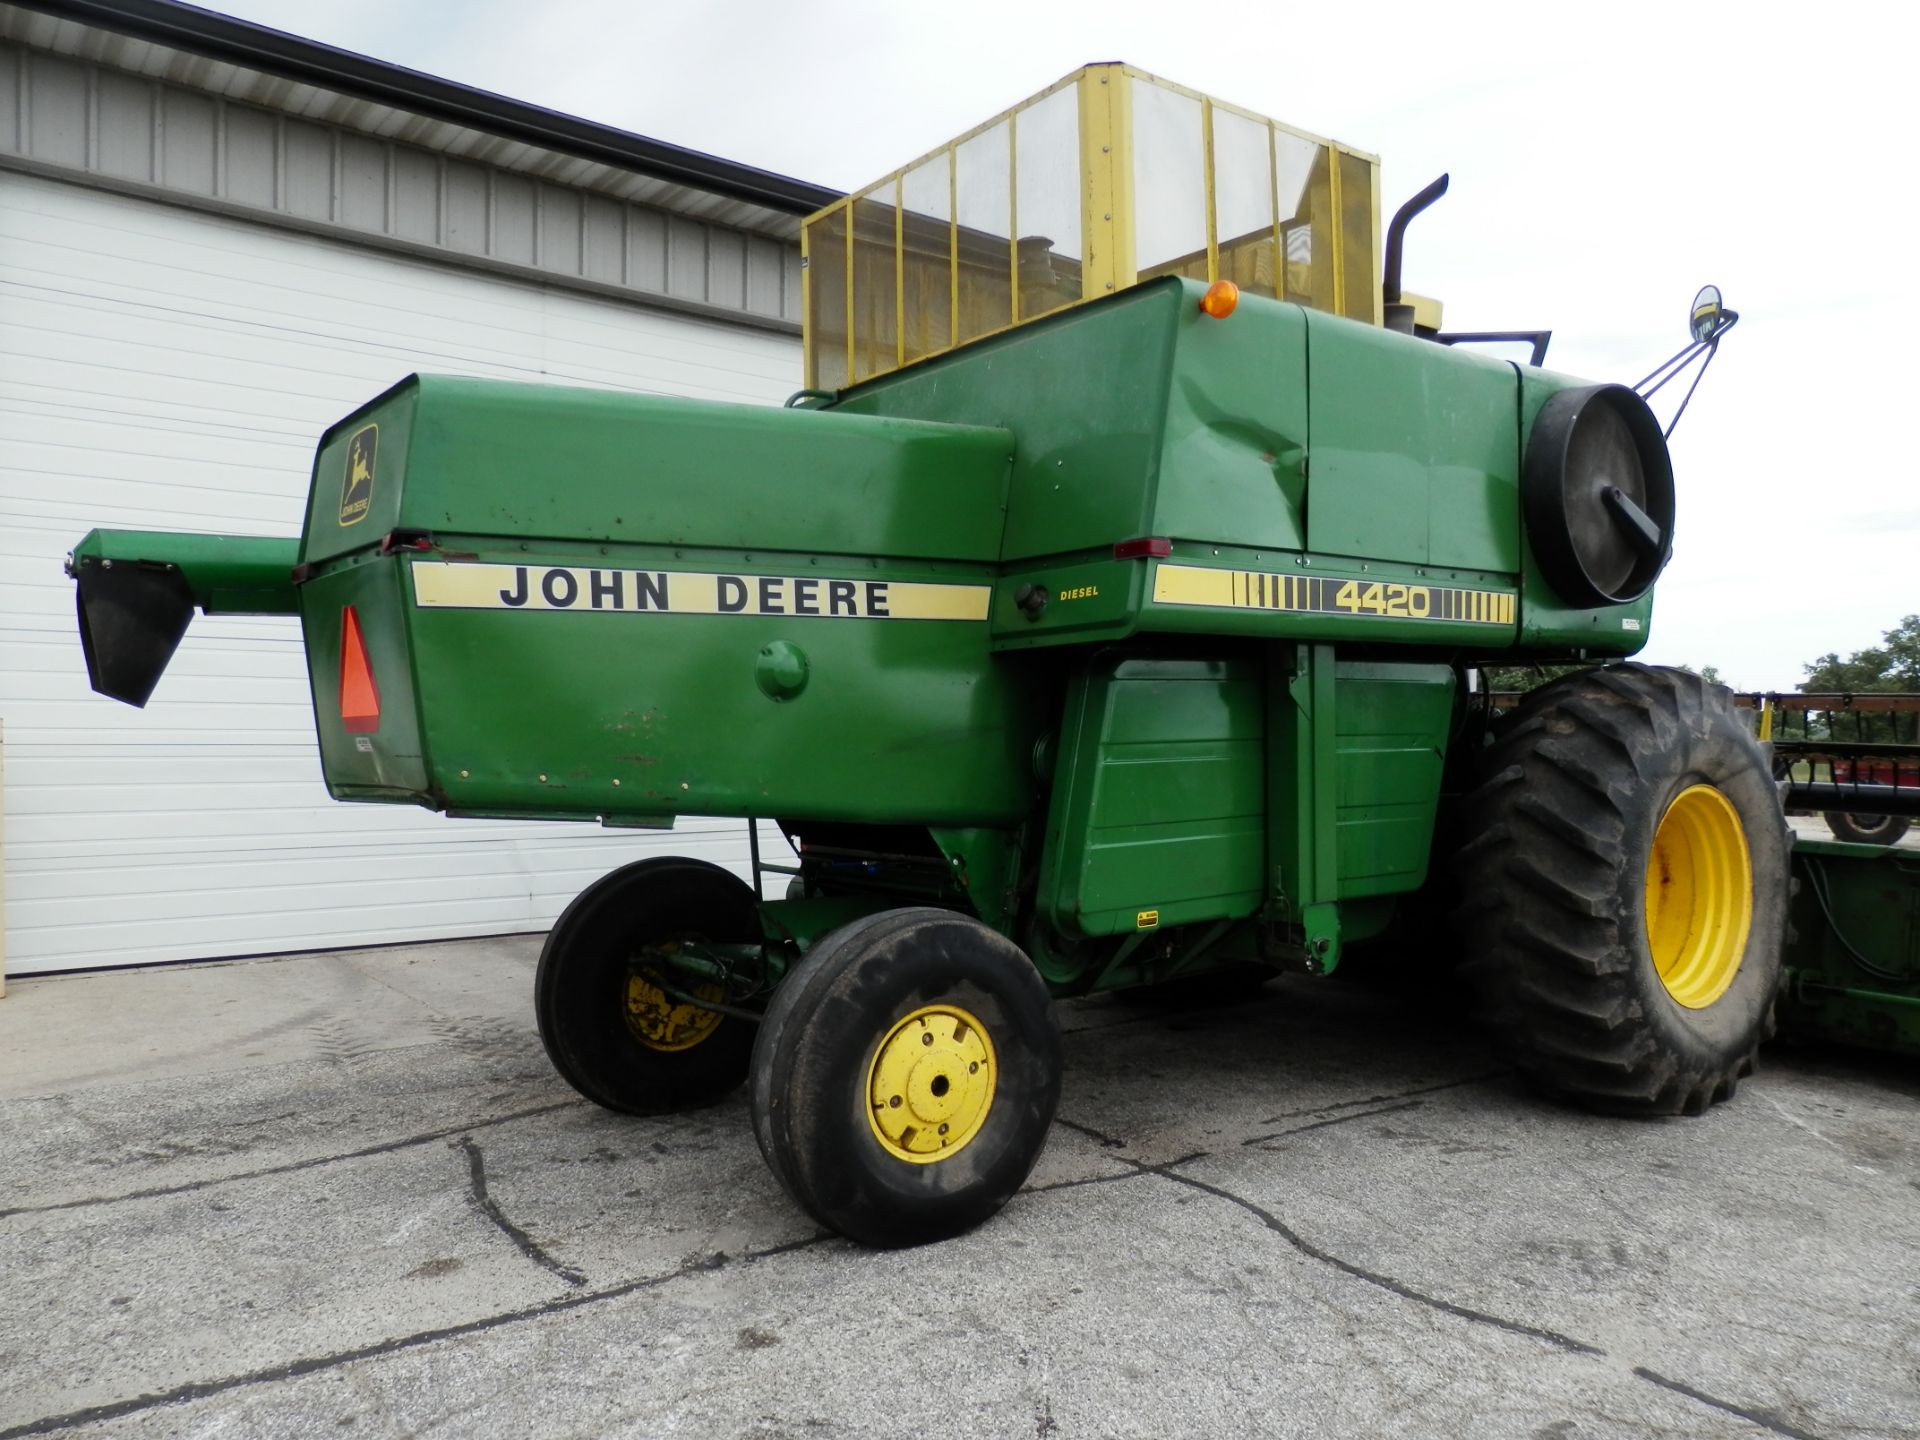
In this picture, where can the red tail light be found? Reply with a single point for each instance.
(359, 696)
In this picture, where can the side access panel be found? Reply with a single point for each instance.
(1357, 751)
(1390, 733)
(1158, 814)
(1194, 790)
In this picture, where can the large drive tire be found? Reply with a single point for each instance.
(613, 1034)
(1625, 891)
(1866, 829)
(905, 1077)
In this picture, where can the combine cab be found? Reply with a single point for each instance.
(1075, 639)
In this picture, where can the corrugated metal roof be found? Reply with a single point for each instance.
(410, 107)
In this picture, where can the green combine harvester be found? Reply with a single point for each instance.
(1108, 610)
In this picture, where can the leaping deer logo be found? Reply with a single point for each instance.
(356, 493)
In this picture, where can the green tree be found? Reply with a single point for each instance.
(1894, 664)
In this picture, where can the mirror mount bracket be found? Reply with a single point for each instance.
(1708, 323)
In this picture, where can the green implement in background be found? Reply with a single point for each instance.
(1853, 964)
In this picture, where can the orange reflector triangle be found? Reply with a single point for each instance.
(359, 696)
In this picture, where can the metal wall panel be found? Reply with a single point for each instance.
(123, 109)
(11, 72)
(765, 274)
(465, 187)
(186, 142)
(604, 243)
(134, 130)
(647, 250)
(560, 225)
(246, 142)
(686, 258)
(57, 111)
(416, 197)
(168, 368)
(514, 217)
(306, 170)
(363, 184)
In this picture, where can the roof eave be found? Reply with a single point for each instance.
(239, 42)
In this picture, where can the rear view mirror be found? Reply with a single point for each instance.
(1708, 315)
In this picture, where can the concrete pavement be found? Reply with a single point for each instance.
(345, 1195)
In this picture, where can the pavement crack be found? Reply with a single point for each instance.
(1380, 1099)
(1385, 1282)
(1767, 1420)
(1101, 1138)
(489, 1207)
(1337, 1120)
(385, 1148)
(314, 1364)
(1133, 1174)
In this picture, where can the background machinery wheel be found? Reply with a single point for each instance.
(906, 1075)
(601, 995)
(1625, 891)
(1866, 829)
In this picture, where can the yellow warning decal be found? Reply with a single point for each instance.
(454, 585)
(1147, 920)
(1329, 595)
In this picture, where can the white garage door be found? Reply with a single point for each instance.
(163, 369)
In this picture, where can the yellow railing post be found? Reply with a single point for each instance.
(810, 367)
(1013, 217)
(1106, 179)
(1336, 229)
(900, 270)
(846, 263)
(1213, 208)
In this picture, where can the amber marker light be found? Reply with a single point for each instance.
(1221, 298)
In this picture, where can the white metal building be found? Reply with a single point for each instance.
(215, 240)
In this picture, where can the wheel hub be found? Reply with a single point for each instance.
(1699, 896)
(661, 1022)
(931, 1084)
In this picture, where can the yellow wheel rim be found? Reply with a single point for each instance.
(660, 1022)
(1699, 896)
(931, 1084)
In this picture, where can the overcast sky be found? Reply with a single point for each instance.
(1607, 160)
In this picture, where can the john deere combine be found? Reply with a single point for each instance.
(1107, 610)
